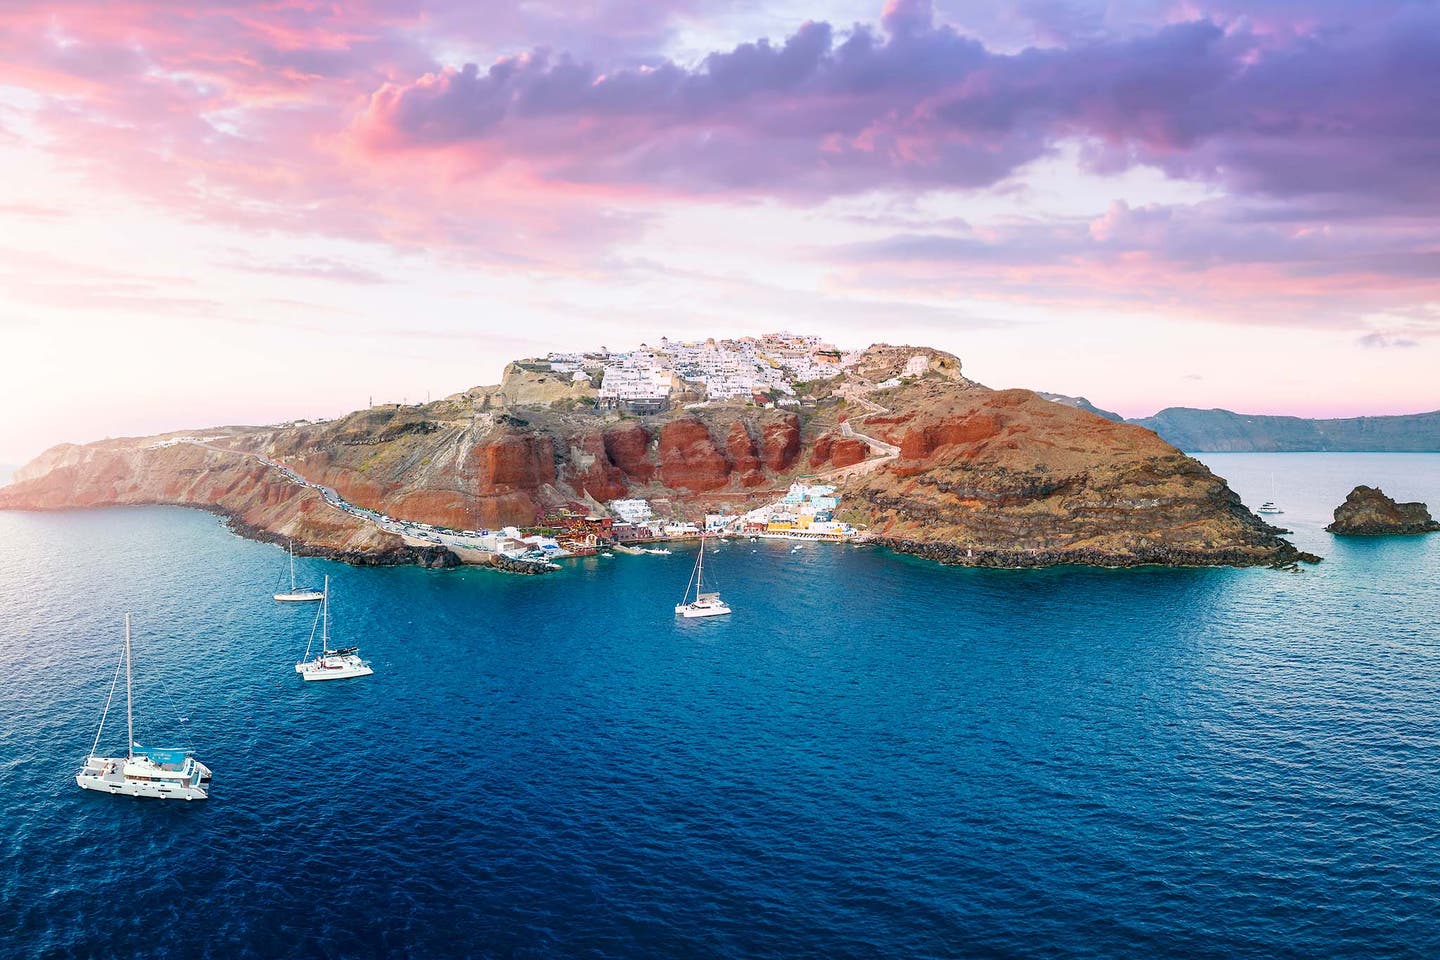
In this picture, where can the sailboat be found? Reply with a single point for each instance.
(338, 664)
(296, 594)
(1269, 506)
(704, 604)
(166, 773)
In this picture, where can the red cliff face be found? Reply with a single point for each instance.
(524, 460)
(920, 442)
(628, 446)
(831, 451)
(689, 458)
(780, 442)
(510, 472)
(744, 456)
(595, 474)
(1007, 478)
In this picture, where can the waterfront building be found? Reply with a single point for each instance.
(632, 511)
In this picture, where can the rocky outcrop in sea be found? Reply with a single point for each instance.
(1368, 512)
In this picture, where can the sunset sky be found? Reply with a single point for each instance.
(237, 212)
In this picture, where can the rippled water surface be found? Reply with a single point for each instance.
(874, 756)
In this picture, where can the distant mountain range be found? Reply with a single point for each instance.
(1221, 430)
(1205, 431)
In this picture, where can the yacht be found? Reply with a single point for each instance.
(340, 663)
(164, 773)
(296, 594)
(1269, 506)
(705, 604)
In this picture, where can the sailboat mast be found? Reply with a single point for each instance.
(325, 618)
(290, 549)
(700, 568)
(129, 706)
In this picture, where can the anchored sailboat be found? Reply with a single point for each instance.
(337, 664)
(165, 773)
(704, 604)
(296, 594)
(1269, 506)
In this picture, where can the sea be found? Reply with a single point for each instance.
(874, 756)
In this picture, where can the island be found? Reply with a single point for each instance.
(1368, 512)
(1228, 432)
(910, 454)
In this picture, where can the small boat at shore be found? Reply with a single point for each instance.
(162, 773)
(296, 594)
(340, 663)
(705, 604)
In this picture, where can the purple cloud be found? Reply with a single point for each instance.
(1350, 111)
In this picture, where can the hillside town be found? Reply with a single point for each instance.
(761, 370)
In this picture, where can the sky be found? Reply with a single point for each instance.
(247, 212)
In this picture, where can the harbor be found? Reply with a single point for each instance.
(806, 512)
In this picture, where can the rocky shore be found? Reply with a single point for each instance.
(392, 555)
(1368, 512)
(1286, 557)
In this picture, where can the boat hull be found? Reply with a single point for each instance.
(103, 775)
(300, 596)
(335, 670)
(689, 611)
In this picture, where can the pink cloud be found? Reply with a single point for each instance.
(339, 120)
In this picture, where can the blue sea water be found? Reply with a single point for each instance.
(874, 756)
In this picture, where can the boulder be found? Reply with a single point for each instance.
(1368, 512)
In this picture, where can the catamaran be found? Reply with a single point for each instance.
(296, 594)
(704, 604)
(1269, 506)
(166, 773)
(338, 664)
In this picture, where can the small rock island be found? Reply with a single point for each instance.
(1368, 512)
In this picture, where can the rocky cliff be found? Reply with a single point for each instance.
(258, 501)
(1008, 478)
(1368, 512)
(980, 476)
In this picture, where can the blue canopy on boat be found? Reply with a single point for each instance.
(163, 754)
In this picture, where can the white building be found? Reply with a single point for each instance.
(632, 511)
(638, 379)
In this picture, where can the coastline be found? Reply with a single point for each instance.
(1287, 557)
(944, 554)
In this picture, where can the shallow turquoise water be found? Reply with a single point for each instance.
(875, 756)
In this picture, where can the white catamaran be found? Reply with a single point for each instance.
(1270, 506)
(168, 773)
(704, 604)
(296, 594)
(339, 664)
